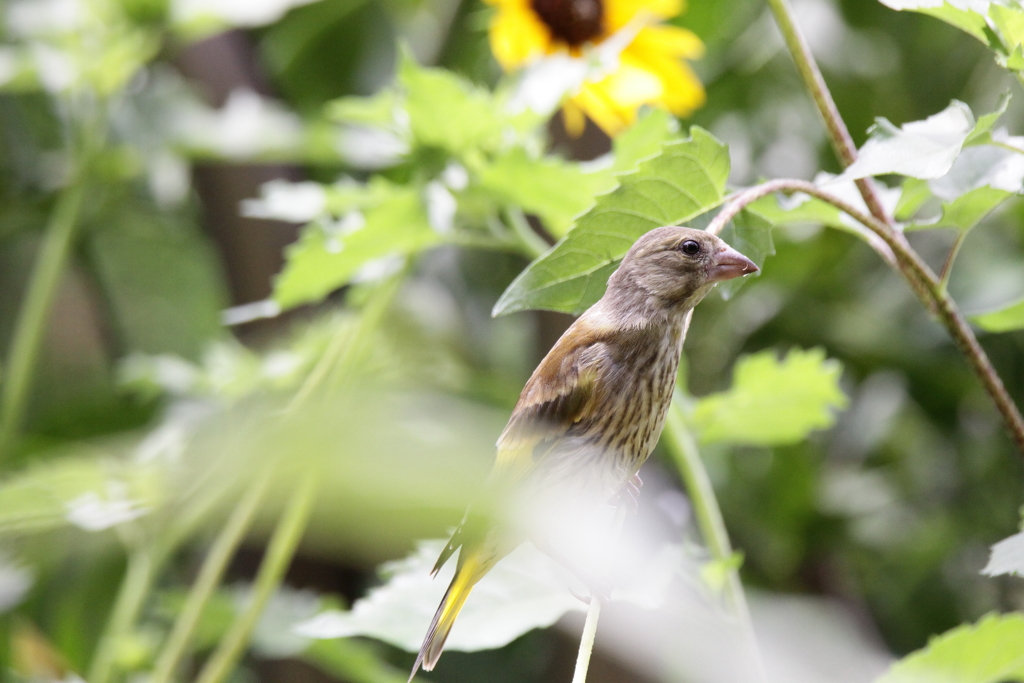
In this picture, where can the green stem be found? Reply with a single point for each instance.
(210, 574)
(947, 267)
(35, 311)
(280, 551)
(340, 357)
(532, 243)
(130, 598)
(684, 451)
(835, 127)
(922, 281)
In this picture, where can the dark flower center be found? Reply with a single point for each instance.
(571, 21)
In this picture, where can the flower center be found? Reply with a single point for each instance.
(572, 21)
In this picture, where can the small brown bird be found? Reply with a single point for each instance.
(593, 409)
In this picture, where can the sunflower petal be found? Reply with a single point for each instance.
(618, 13)
(517, 34)
(669, 40)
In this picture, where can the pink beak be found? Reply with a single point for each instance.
(729, 264)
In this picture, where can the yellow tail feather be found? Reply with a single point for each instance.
(466, 576)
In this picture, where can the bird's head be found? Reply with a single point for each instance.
(671, 269)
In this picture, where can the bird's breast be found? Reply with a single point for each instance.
(637, 396)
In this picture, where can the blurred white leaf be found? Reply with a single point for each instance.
(1007, 557)
(920, 149)
(441, 207)
(15, 581)
(247, 126)
(93, 513)
(526, 590)
(285, 201)
(243, 13)
(370, 147)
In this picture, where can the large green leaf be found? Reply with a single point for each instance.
(990, 651)
(323, 260)
(751, 234)
(1010, 317)
(772, 401)
(685, 180)
(644, 139)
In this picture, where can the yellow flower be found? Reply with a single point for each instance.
(650, 70)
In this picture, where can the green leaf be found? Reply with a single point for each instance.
(325, 259)
(772, 402)
(920, 149)
(446, 111)
(959, 13)
(1009, 23)
(162, 282)
(1007, 557)
(982, 178)
(1005, 319)
(966, 211)
(987, 652)
(644, 139)
(82, 491)
(375, 110)
(556, 191)
(751, 234)
(685, 180)
(982, 133)
(915, 193)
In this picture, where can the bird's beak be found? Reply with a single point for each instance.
(729, 263)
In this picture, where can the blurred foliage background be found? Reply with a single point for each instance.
(153, 122)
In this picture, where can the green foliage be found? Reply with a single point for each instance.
(772, 402)
(91, 493)
(986, 652)
(1010, 317)
(1004, 36)
(320, 261)
(684, 181)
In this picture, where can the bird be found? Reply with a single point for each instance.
(593, 410)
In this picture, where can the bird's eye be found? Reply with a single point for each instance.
(690, 247)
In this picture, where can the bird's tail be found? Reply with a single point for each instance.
(466, 576)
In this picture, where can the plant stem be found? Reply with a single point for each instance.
(532, 243)
(342, 352)
(838, 134)
(922, 281)
(947, 267)
(210, 574)
(587, 641)
(275, 562)
(683, 449)
(130, 598)
(35, 311)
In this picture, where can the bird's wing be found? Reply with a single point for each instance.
(562, 392)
